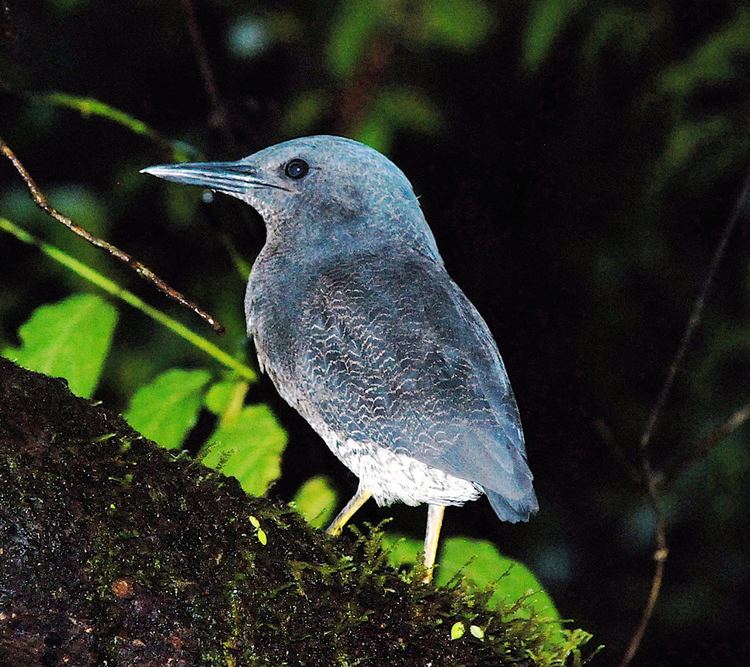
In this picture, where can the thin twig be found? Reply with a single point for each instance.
(219, 115)
(144, 272)
(704, 446)
(608, 438)
(695, 316)
(660, 558)
(114, 290)
(650, 479)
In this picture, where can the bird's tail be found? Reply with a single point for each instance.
(513, 511)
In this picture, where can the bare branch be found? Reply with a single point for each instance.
(144, 272)
(662, 550)
(695, 316)
(704, 446)
(219, 115)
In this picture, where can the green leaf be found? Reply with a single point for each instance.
(248, 448)
(88, 106)
(69, 339)
(397, 108)
(218, 396)
(482, 565)
(167, 408)
(457, 630)
(375, 131)
(316, 501)
(353, 26)
(408, 108)
(304, 112)
(456, 24)
(548, 19)
(718, 59)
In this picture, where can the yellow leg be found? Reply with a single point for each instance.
(431, 538)
(359, 499)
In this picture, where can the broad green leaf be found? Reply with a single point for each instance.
(482, 565)
(548, 19)
(316, 501)
(69, 339)
(167, 408)
(248, 448)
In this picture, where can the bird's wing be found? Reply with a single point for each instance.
(395, 354)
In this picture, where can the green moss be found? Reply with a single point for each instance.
(117, 552)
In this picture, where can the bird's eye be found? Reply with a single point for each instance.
(296, 169)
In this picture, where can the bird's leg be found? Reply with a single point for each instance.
(431, 538)
(359, 499)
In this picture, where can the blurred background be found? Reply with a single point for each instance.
(577, 161)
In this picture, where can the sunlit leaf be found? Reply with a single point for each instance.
(248, 448)
(547, 21)
(219, 395)
(166, 409)
(316, 501)
(69, 339)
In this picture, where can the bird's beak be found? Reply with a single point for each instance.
(232, 178)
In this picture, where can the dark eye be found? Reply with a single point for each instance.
(296, 169)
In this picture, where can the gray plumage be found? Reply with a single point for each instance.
(362, 330)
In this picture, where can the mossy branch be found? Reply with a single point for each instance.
(115, 552)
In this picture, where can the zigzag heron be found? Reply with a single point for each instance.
(362, 330)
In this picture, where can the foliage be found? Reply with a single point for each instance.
(248, 447)
(70, 339)
(576, 160)
(167, 408)
(481, 566)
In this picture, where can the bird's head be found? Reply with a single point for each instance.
(321, 191)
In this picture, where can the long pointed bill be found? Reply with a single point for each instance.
(233, 178)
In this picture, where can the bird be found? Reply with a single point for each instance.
(361, 329)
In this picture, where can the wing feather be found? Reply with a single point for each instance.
(398, 356)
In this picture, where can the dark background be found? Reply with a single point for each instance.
(577, 161)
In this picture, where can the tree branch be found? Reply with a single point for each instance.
(219, 116)
(650, 479)
(143, 271)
